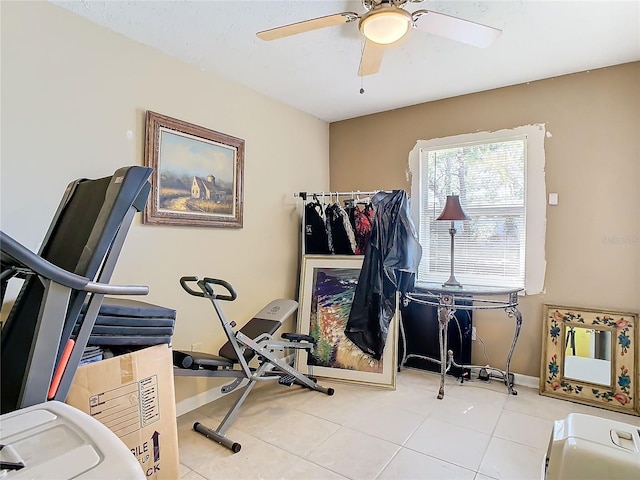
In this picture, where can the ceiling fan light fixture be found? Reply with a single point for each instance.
(386, 25)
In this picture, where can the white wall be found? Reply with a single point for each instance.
(70, 92)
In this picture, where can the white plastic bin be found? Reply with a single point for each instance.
(586, 447)
(56, 441)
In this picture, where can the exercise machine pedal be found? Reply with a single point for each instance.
(197, 360)
(287, 380)
(298, 337)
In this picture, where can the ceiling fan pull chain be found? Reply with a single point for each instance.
(362, 42)
(361, 53)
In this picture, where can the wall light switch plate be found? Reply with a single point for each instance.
(553, 199)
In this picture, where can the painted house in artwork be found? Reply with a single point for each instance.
(206, 189)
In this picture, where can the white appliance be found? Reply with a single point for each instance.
(586, 447)
(53, 440)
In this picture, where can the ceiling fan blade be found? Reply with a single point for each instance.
(371, 58)
(307, 25)
(455, 28)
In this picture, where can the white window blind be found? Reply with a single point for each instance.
(499, 177)
(490, 180)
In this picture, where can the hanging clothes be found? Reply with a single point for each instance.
(316, 240)
(362, 220)
(342, 240)
(390, 264)
(350, 207)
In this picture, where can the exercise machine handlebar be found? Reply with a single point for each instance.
(19, 260)
(207, 289)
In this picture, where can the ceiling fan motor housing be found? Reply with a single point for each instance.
(371, 4)
(385, 24)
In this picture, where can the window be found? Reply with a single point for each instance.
(500, 180)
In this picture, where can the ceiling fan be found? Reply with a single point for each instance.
(385, 22)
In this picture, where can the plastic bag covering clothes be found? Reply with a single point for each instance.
(342, 238)
(390, 264)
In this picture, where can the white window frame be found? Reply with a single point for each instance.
(535, 263)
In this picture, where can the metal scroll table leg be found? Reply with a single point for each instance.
(442, 340)
(513, 312)
(445, 312)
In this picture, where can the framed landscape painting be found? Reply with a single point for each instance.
(198, 174)
(327, 288)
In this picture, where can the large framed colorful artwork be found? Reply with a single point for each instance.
(590, 356)
(327, 287)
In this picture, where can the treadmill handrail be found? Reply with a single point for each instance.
(109, 289)
(25, 258)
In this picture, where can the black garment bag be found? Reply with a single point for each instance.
(315, 230)
(390, 264)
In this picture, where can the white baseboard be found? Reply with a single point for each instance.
(526, 381)
(191, 403)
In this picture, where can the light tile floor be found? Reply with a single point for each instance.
(477, 431)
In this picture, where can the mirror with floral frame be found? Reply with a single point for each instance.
(590, 357)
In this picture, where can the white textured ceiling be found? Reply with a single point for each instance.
(316, 72)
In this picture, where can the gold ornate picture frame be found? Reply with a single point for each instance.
(198, 174)
(591, 357)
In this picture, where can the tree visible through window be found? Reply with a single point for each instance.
(490, 178)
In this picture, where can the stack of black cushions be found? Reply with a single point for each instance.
(130, 322)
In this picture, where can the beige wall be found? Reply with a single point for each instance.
(70, 93)
(592, 162)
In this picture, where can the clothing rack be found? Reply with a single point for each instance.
(363, 214)
(353, 194)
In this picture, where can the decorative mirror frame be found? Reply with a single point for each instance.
(622, 394)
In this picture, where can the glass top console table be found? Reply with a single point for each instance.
(450, 299)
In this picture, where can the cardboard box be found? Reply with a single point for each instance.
(133, 395)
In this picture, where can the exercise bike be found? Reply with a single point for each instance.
(255, 338)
